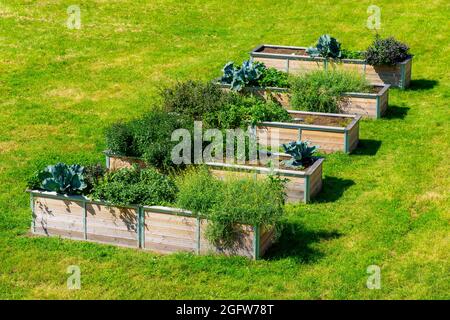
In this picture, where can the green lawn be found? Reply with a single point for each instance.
(387, 204)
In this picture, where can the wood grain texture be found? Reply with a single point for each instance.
(116, 162)
(169, 233)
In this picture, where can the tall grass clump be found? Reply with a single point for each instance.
(320, 91)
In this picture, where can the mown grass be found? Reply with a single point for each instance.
(387, 204)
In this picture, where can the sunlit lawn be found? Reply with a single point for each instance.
(385, 205)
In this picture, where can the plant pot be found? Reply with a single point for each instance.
(330, 138)
(301, 185)
(367, 105)
(153, 228)
(294, 60)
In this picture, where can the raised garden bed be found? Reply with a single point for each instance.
(295, 60)
(332, 132)
(154, 228)
(301, 185)
(368, 105)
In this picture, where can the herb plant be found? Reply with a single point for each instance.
(326, 47)
(133, 186)
(60, 178)
(320, 91)
(245, 75)
(301, 154)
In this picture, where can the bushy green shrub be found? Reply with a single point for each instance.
(226, 204)
(135, 186)
(248, 110)
(387, 51)
(272, 77)
(148, 137)
(326, 47)
(320, 91)
(194, 98)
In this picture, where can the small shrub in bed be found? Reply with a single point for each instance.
(132, 186)
(245, 111)
(387, 51)
(226, 204)
(60, 178)
(320, 91)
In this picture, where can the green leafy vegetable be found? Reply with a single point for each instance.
(301, 153)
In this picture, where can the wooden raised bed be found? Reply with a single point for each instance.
(367, 105)
(301, 185)
(330, 138)
(154, 228)
(295, 60)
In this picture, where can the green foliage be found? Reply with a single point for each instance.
(120, 139)
(148, 137)
(301, 153)
(92, 175)
(247, 74)
(226, 204)
(248, 110)
(387, 51)
(194, 98)
(246, 201)
(135, 186)
(349, 54)
(320, 91)
(60, 178)
(326, 47)
(272, 77)
(198, 190)
(152, 135)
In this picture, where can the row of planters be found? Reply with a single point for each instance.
(140, 208)
(234, 205)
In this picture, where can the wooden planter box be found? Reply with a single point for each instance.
(398, 75)
(154, 228)
(367, 105)
(301, 186)
(329, 138)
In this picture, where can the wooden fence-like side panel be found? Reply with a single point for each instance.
(112, 225)
(54, 217)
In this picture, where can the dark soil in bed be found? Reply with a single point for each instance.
(321, 120)
(296, 52)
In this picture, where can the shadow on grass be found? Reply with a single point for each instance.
(396, 112)
(295, 242)
(332, 189)
(367, 147)
(422, 84)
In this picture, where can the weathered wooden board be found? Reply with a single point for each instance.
(169, 233)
